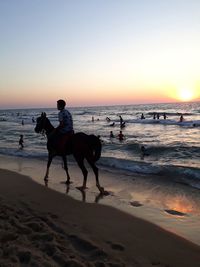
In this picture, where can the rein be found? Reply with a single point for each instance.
(45, 130)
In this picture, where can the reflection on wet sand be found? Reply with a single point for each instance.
(180, 204)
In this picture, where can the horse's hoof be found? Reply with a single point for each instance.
(81, 188)
(101, 189)
(106, 193)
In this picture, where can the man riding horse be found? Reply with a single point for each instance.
(62, 141)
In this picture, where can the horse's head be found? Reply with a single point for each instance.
(40, 123)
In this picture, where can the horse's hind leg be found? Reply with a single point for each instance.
(66, 169)
(96, 172)
(50, 157)
(81, 165)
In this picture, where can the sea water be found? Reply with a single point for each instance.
(171, 146)
(161, 187)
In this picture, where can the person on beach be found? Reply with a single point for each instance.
(121, 136)
(142, 117)
(65, 128)
(21, 141)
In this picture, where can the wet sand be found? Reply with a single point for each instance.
(173, 206)
(42, 227)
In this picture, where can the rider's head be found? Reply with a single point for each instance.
(61, 104)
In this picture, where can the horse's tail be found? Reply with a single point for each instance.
(95, 144)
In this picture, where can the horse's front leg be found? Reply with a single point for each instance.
(66, 169)
(50, 157)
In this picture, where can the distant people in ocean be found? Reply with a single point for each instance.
(112, 124)
(158, 116)
(181, 118)
(108, 119)
(92, 118)
(111, 134)
(121, 120)
(21, 141)
(123, 124)
(143, 152)
(22, 122)
(154, 115)
(164, 116)
(33, 120)
(120, 136)
(142, 117)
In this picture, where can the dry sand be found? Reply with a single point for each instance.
(41, 227)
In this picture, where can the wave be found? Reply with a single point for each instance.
(159, 150)
(185, 175)
(180, 174)
(192, 123)
(171, 113)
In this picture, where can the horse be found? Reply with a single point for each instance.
(80, 145)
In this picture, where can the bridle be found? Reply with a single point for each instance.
(41, 124)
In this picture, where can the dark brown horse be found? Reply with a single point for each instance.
(81, 145)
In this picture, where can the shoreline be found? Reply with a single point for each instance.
(46, 228)
(173, 209)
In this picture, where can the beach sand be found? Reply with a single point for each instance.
(42, 227)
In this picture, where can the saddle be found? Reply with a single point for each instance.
(62, 143)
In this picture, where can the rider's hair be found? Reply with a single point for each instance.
(61, 103)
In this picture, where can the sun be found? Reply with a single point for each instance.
(185, 94)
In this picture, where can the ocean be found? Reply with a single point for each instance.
(161, 186)
(171, 146)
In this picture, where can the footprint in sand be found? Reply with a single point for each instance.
(136, 204)
(114, 246)
(87, 248)
(175, 212)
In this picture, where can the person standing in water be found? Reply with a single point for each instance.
(21, 141)
(111, 134)
(121, 136)
(181, 118)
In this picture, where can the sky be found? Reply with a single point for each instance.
(98, 52)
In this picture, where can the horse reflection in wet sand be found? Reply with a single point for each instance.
(81, 145)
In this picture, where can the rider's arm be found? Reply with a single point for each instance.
(61, 121)
(60, 126)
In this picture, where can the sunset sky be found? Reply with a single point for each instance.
(98, 52)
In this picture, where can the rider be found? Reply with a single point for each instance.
(65, 119)
(65, 128)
